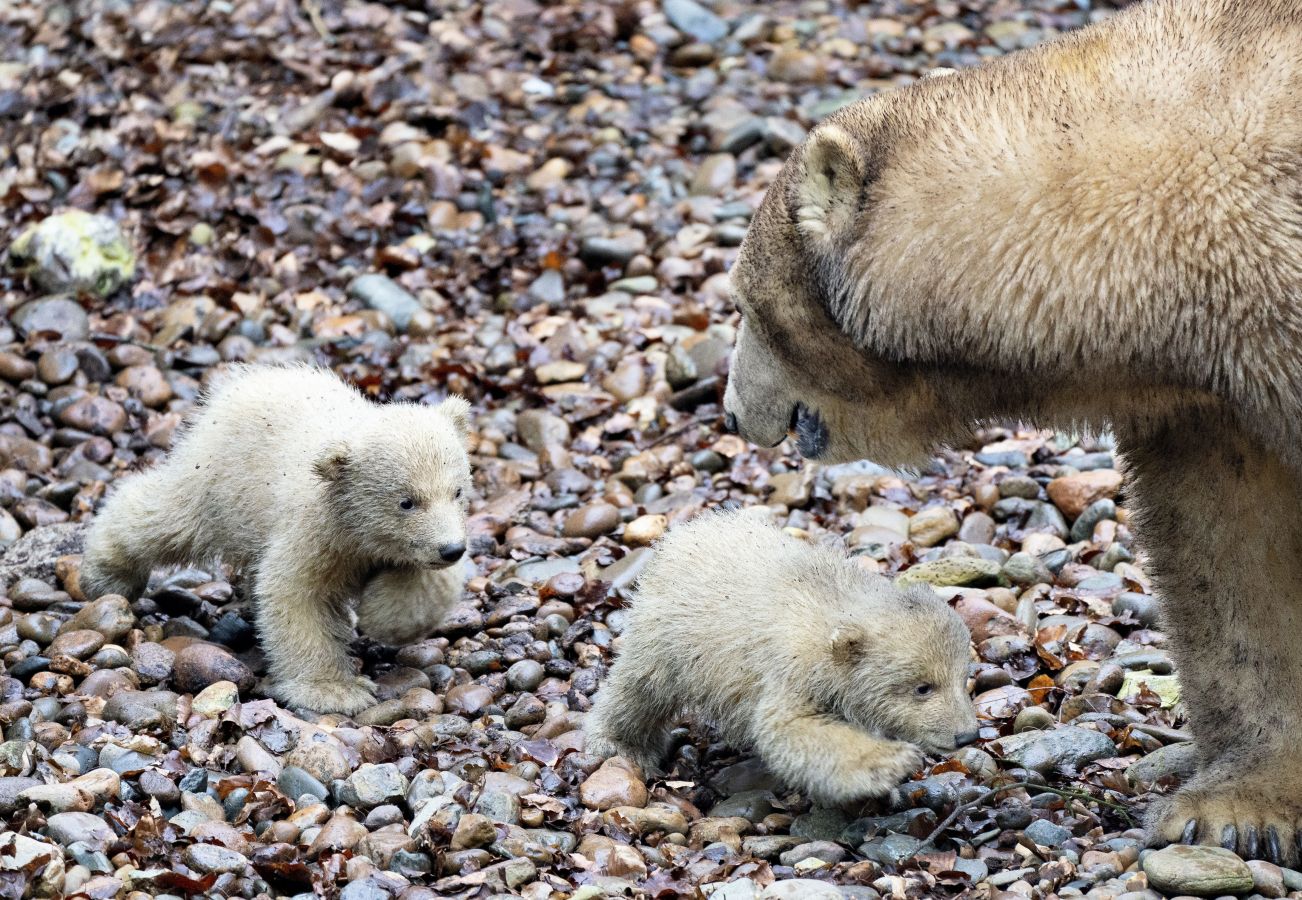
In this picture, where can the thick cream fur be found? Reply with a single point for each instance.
(292, 476)
(1103, 231)
(791, 649)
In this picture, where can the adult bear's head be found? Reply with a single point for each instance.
(797, 282)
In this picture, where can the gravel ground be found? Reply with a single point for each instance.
(533, 205)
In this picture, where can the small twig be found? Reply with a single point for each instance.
(1162, 733)
(679, 429)
(990, 794)
(313, 9)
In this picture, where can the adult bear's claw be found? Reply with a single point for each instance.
(1274, 852)
(1230, 837)
(1251, 842)
(1190, 834)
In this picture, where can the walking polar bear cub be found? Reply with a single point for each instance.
(323, 499)
(1105, 230)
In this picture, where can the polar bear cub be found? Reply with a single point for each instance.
(838, 679)
(321, 498)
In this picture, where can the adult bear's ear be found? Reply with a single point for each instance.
(829, 190)
(330, 465)
(848, 644)
(457, 409)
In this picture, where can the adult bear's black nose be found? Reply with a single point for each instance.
(730, 422)
(964, 738)
(450, 553)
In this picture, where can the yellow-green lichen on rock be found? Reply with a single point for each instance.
(952, 571)
(1167, 687)
(74, 252)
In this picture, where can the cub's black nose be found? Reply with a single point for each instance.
(451, 552)
(730, 422)
(962, 739)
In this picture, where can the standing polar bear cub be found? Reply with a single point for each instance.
(1105, 230)
(837, 678)
(321, 497)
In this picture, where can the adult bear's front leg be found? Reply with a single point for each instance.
(1222, 521)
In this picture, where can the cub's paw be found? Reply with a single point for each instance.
(348, 695)
(1257, 814)
(871, 772)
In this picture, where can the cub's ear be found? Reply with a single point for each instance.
(828, 193)
(330, 465)
(457, 409)
(848, 644)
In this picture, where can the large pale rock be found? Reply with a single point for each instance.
(74, 252)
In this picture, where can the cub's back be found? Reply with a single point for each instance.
(256, 434)
(731, 585)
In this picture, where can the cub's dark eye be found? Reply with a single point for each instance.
(407, 503)
(459, 494)
(924, 690)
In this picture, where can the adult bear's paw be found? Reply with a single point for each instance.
(1257, 813)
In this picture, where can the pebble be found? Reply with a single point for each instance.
(933, 525)
(825, 851)
(977, 528)
(56, 365)
(254, 758)
(80, 827)
(142, 710)
(200, 664)
(147, 383)
(468, 699)
(1267, 878)
(152, 662)
(715, 174)
(373, 785)
(592, 521)
(1073, 493)
(525, 675)
(382, 293)
(295, 782)
(1046, 833)
(11, 788)
(96, 415)
(57, 315)
(211, 858)
(792, 489)
(215, 699)
(1066, 748)
(695, 20)
(110, 615)
(615, 783)
(645, 530)
(800, 889)
(1197, 870)
(954, 571)
(1178, 760)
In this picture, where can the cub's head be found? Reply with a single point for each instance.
(402, 488)
(903, 673)
(799, 282)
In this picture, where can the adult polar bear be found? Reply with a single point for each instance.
(1106, 229)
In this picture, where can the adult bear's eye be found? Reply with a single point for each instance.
(923, 690)
(407, 503)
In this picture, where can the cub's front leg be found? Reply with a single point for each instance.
(404, 604)
(828, 759)
(305, 627)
